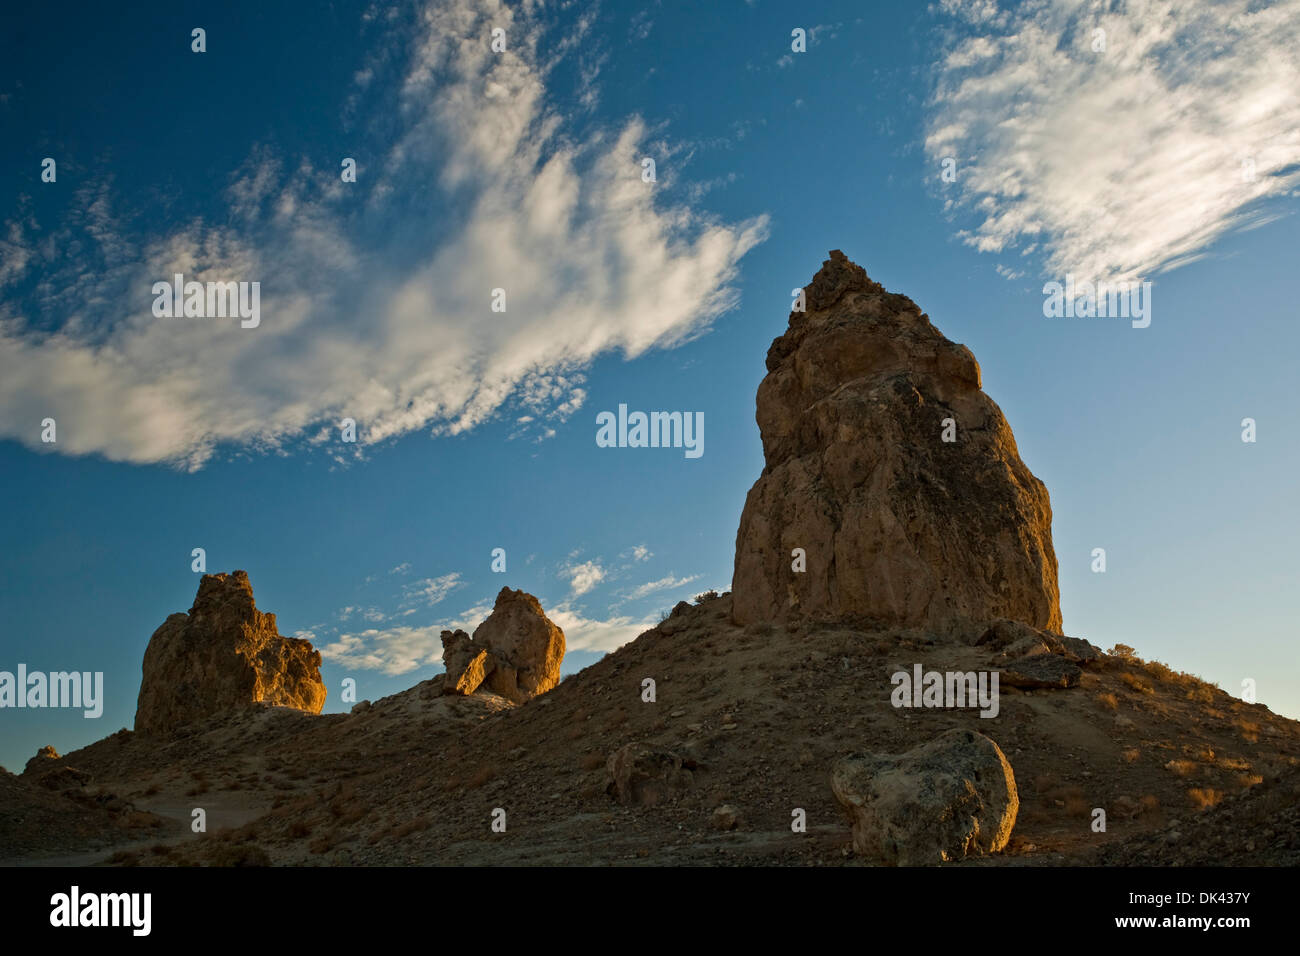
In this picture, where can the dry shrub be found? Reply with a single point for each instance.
(409, 827)
(1136, 683)
(1249, 729)
(225, 854)
(298, 829)
(1131, 755)
(1109, 701)
(1123, 652)
(1183, 768)
(1204, 798)
(1149, 804)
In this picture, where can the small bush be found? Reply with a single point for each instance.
(239, 855)
(1136, 683)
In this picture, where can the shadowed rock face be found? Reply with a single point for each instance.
(222, 655)
(899, 527)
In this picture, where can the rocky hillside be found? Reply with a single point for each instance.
(889, 683)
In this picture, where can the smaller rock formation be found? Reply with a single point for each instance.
(527, 646)
(515, 653)
(950, 798)
(1034, 659)
(1041, 672)
(44, 760)
(223, 655)
(468, 665)
(645, 775)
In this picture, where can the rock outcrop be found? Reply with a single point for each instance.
(645, 775)
(223, 655)
(527, 646)
(468, 665)
(950, 798)
(46, 758)
(897, 526)
(516, 652)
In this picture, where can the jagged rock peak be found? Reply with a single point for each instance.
(223, 655)
(892, 473)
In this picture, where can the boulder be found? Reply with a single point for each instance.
(945, 800)
(526, 646)
(1081, 651)
(1015, 640)
(1041, 672)
(898, 526)
(224, 655)
(467, 664)
(725, 817)
(645, 775)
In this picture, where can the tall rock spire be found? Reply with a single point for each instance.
(892, 472)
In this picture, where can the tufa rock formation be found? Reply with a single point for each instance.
(224, 654)
(899, 527)
(515, 653)
(950, 798)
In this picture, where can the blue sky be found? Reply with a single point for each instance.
(1171, 154)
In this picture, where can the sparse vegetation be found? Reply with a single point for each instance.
(1204, 798)
(1131, 680)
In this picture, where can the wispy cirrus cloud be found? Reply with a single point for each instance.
(376, 295)
(1118, 162)
(430, 591)
(663, 584)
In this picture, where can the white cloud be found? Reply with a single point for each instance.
(663, 584)
(582, 633)
(400, 650)
(583, 577)
(431, 591)
(1124, 161)
(641, 553)
(394, 650)
(358, 319)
